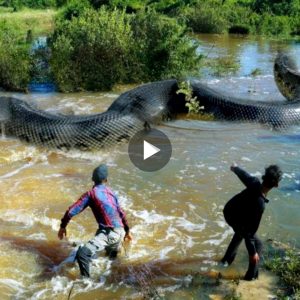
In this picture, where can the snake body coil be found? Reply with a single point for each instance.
(144, 105)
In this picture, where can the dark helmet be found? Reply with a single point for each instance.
(273, 175)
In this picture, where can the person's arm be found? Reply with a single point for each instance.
(250, 244)
(122, 215)
(245, 177)
(250, 232)
(72, 211)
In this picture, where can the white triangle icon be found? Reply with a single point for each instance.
(149, 150)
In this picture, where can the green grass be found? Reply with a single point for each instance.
(40, 22)
(222, 66)
(286, 264)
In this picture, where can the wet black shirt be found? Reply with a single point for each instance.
(244, 211)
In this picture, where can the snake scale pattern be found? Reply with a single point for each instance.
(146, 105)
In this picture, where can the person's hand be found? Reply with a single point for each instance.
(233, 166)
(127, 237)
(254, 259)
(61, 233)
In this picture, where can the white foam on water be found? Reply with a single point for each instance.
(244, 158)
(212, 168)
(171, 288)
(111, 95)
(217, 242)
(13, 284)
(37, 236)
(79, 107)
(189, 243)
(151, 217)
(213, 81)
(163, 254)
(95, 156)
(16, 171)
(26, 152)
(221, 224)
(29, 219)
(189, 226)
(40, 294)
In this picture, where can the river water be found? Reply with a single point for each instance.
(175, 213)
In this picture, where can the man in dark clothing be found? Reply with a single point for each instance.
(113, 226)
(243, 213)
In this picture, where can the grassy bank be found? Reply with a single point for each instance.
(18, 30)
(284, 261)
(97, 44)
(40, 22)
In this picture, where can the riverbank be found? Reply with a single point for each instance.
(128, 43)
(39, 21)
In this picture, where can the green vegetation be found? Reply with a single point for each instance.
(101, 48)
(223, 65)
(40, 22)
(286, 264)
(95, 44)
(17, 32)
(267, 17)
(195, 111)
(14, 59)
(191, 102)
(256, 72)
(207, 17)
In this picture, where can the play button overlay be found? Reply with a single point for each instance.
(150, 150)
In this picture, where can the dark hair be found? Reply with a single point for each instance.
(273, 175)
(100, 173)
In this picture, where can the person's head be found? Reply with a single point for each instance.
(100, 174)
(272, 176)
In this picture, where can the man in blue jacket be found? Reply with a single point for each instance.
(112, 223)
(243, 213)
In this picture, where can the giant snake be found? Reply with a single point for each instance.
(145, 105)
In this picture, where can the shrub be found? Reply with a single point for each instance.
(91, 52)
(99, 49)
(170, 6)
(129, 5)
(163, 48)
(241, 19)
(274, 25)
(14, 60)
(17, 4)
(207, 17)
(295, 25)
(74, 8)
(277, 7)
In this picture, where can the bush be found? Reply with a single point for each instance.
(241, 19)
(163, 48)
(170, 6)
(129, 5)
(207, 17)
(17, 4)
(99, 49)
(74, 9)
(91, 52)
(274, 25)
(277, 7)
(14, 60)
(295, 25)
